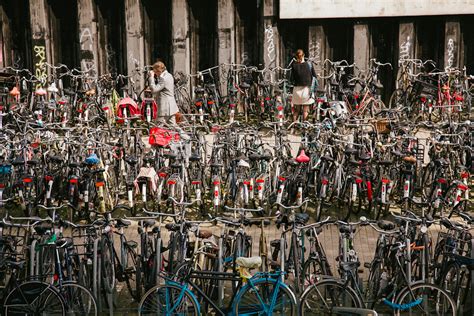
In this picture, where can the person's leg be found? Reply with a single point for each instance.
(171, 120)
(305, 112)
(296, 112)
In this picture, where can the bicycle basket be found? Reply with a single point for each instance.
(382, 126)
(162, 137)
(425, 89)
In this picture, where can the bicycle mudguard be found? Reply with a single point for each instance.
(402, 306)
(184, 289)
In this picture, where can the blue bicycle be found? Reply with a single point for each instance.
(260, 294)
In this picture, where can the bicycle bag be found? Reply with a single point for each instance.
(162, 137)
(130, 106)
(154, 108)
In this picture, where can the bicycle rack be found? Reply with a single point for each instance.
(220, 291)
(33, 258)
(96, 277)
(158, 259)
(282, 254)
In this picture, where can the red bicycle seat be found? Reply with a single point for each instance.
(302, 158)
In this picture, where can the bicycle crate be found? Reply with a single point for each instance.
(425, 89)
(382, 126)
(456, 245)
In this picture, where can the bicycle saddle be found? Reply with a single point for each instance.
(275, 243)
(199, 90)
(194, 157)
(364, 157)
(56, 158)
(328, 158)
(40, 91)
(131, 160)
(33, 162)
(346, 229)
(349, 266)
(170, 155)
(147, 223)
(244, 85)
(386, 225)
(292, 162)
(302, 158)
(42, 228)
(350, 151)
(409, 159)
(249, 263)
(15, 264)
(18, 161)
(204, 233)
(254, 156)
(64, 243)
(385, 162)
(122, 223)
(301, 218)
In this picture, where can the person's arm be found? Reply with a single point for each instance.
(155, 88)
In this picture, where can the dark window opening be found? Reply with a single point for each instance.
(430, 39)
(203, 29)
(112, 31)
(384, 38)
(158, 31)
(294, 35)
(340, 38)
(247, 29)
(64, 32)
(18, 14)
(467, 25)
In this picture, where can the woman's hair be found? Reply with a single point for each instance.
(299, 53)
(159, 65)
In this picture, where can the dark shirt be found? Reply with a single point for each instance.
(302, 74)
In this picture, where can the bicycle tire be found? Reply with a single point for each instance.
(157, 301)
(312, 269)
(108, 265)
(257, 295)
(347, 297)
(441, 306)
(34, 297)
(78, 299)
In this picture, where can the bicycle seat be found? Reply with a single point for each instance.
(57, 159)
(244, 85)
(302, 157)
(121, 222)
(170, 155)
(131, 160)
(349, 266)
(364, 157)
(254, 156)
(18, 161)
(328, 158)
(291, 162)
(199, 90)
(350, 151)
(275, 243)
(441, 162)
(258, 222)
(385, 162)
(194, 158)
(346, 229)
(148, 223)
(204, 233)
(64, 243)
(172, 227)
(301, 218)
(15, 264)
(132, 244)
(33, 162)
(249, 263)
(74, 164)
(409, 159)
(42, 228)
(267, 156)
(216, 165)
(386, 225)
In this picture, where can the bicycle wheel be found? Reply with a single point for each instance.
(34, 298)
(108, 265)
(425, 299)
(78, 299)
(313, 269)
(263, 297)
(322, 297)
(168, 300)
